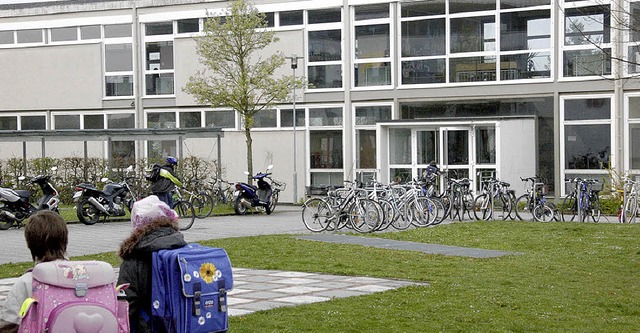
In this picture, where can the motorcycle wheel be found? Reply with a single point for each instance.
(5, 222)
(238, 207)
(273, 202)
(87, 212)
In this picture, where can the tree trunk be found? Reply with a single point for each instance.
(247, 134)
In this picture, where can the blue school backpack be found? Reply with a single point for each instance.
(189, 289)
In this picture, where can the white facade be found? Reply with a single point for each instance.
(517, 88)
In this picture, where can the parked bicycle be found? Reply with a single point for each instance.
(534, 204)
(629, 208)
(184, 208)
(583, 202)
(200, 199)
(495, 201)
(344, 207)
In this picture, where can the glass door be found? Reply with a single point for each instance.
(456, 148)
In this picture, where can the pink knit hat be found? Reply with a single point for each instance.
(149, 209)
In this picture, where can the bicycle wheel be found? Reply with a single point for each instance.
(186, 214)
(482, 207)
(419, 211)
(316, 214)
(524, 207)
(202, 204)
(388, 213)
(274, 201)
(594, 208)
(569, 208)
(630, 209)
(543, 213)
(502, 207)
(365, 215)
(440, 211)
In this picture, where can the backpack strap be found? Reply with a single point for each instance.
(222, 296)
(26, 305)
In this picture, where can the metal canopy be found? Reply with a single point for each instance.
(128, 134)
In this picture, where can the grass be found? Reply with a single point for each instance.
(569, 277)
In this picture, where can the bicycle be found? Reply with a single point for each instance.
(629, 208)
(184, 208)
(534, 202)
(582, 202)
(202, 202)
(495, 198)
(342, 207)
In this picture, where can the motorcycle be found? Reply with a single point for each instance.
(93, 203)
(17, 206)
(247, 196)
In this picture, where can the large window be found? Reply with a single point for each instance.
(586, 136)
(633, 130)
(118, 58)
(222, 119)
(525, 45)
(372, 46)
(122, 152)
(366, 118)
(324, 65)
(587, 44)
(159, 64)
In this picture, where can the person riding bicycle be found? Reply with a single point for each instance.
(166, 180)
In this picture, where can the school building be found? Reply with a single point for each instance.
(517, 88)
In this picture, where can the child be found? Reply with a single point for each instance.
(155, 227)
(47, 236)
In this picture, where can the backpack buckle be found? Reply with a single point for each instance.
(197, 292)
(81, 289)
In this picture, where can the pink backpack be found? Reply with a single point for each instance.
(74, 297)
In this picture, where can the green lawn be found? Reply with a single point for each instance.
(570, 277)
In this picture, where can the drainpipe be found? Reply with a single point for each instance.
(138, 77)
(618, 90)
(347, 124)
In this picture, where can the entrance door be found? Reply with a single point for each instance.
(457, 151)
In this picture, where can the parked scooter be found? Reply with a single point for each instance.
(247, 196)
(92, 203)
(17, 206)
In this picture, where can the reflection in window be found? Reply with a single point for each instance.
(371, 12)
(325, 45)
(370, 115)
(123, 153)
(423, 38)
(486, 145)
(93, 121)
(509, 4)
(366, 149)
(372, 41)
(324, 15)
(533, 65)
(472, 69)
(121, 120)
(8, 123)
(585, 109)
(67, 121)
(473, 34)
(159, 84)
(293, 17)
(327, 178)
(119, 85)
(329, 76)
(161, 120)
(422, 8)
(265, 118)
(587, 25)
(427, 147)
(400, 175)
(222, 119)
(587, 146)
(400, 146)
(325, 149)
(190, 119)
(160, 55)
(158, 28)
(188, 25)
(634, 146)
(372, 74)
(424, 71)
(286, 117)
(525, 30)
(325, 117)
(159, 150)
(33, 122)
(461, 6)
(587, 62)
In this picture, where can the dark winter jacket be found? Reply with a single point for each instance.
(162, 184)
(136, 252)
